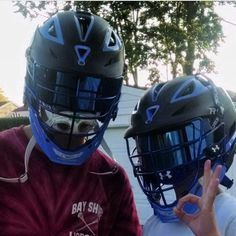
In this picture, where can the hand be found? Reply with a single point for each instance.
(202, 222)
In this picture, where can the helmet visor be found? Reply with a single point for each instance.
(72, 91)
(164, 161)
(176, 147)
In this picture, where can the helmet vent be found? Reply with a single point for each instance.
(82, 53)
(186, 91)
(51, 30)
(112, 41)
(156, 90)
(84, 24)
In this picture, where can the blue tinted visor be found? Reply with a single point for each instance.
(180, 146)
(72, 91)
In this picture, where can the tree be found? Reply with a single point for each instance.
(183, 32)
(176, 33)
(123, 15)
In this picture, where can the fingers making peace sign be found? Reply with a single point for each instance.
(202, 222)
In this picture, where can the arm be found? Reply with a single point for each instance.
(203, 222)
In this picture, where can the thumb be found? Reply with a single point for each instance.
(183, 216)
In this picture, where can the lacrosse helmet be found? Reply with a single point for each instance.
(174, 128)
(75, 67)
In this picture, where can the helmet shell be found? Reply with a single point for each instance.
(75, 67)
(182, 99)
(174, 128)
(78, 42)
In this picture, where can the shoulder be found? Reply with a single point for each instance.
(225, 208)
(105, 164)
(154, 225)
(12, 136)
(151, 222)
(15, 131)
(109, 171)
(225, 201)
(12, 146)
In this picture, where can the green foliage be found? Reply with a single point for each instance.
(177, 33)
(7, 123)
(183, 33)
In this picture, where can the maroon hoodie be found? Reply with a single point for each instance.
(59, 200)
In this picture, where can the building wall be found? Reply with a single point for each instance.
(117, 144)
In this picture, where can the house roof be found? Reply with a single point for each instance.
(128, 100)
(3, 102)
(19, 109)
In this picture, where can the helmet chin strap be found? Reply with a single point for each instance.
(106, 148)
(24, 177)
(115, 169)
(167, 215)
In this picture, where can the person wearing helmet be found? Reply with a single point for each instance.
(175, 127)
(75, 68)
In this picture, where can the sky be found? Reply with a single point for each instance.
(225, 60)
(16, 34)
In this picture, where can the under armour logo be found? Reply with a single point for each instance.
(212, 151)
(215, 148)
(166, 174)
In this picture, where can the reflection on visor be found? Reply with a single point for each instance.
(86, 90)
(65, 91)
(173, 148)
(73, 91)
(165, 161)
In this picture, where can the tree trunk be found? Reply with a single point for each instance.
(135, 76)
(189, 59)
(190, 56)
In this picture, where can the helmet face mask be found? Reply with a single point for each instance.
(171, 159)
(73, 84)
(69, 91)
(174, 128)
